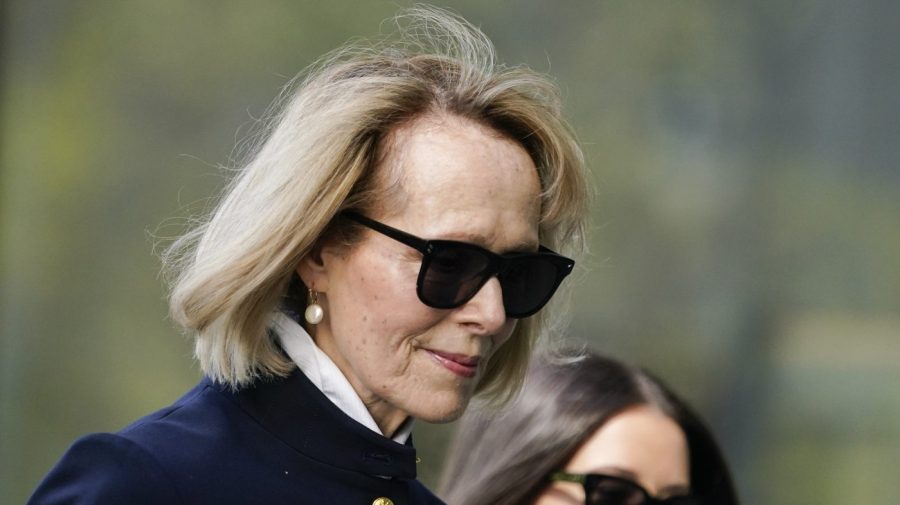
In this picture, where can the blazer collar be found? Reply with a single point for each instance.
(295, 411)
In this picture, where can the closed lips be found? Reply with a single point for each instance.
(460, 364)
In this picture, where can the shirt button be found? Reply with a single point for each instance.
(382, 501)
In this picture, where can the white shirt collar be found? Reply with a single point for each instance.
(322, 372)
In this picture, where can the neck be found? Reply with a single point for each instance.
(388, 418)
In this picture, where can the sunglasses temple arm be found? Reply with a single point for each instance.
(567, 477)
(400, 236)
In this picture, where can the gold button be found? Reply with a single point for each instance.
(382, 501)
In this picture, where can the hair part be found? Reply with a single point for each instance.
(320, 154)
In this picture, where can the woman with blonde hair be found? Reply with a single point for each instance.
(383, 256)
(589, 430)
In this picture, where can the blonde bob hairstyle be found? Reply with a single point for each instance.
(319, 156)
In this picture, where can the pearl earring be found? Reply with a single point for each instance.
(314, 312)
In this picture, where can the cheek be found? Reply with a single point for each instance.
(381, 283)
(378, 311)
(367, 293)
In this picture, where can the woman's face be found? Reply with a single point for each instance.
(460, 181)
(640, 444)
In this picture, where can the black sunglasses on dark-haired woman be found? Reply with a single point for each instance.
(602, 489)
(452, 272)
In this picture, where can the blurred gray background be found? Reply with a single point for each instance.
(745, 238)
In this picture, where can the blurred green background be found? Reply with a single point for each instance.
(746, 233)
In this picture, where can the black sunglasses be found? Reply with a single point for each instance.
(453, 272)
(602, 489)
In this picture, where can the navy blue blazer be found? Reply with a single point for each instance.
(278, 442)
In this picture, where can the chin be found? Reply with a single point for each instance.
(439, 412)
(441, 419)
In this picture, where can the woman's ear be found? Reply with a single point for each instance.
(312, 270)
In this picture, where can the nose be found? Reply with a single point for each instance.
(485, 310)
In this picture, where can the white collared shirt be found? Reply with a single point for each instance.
(322, 372)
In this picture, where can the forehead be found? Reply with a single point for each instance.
(640, 443)
(455, 171)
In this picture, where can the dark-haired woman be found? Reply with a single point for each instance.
(587, 429)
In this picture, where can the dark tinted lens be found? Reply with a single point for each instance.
(528, 283)
(606, 491)
(451, 274)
